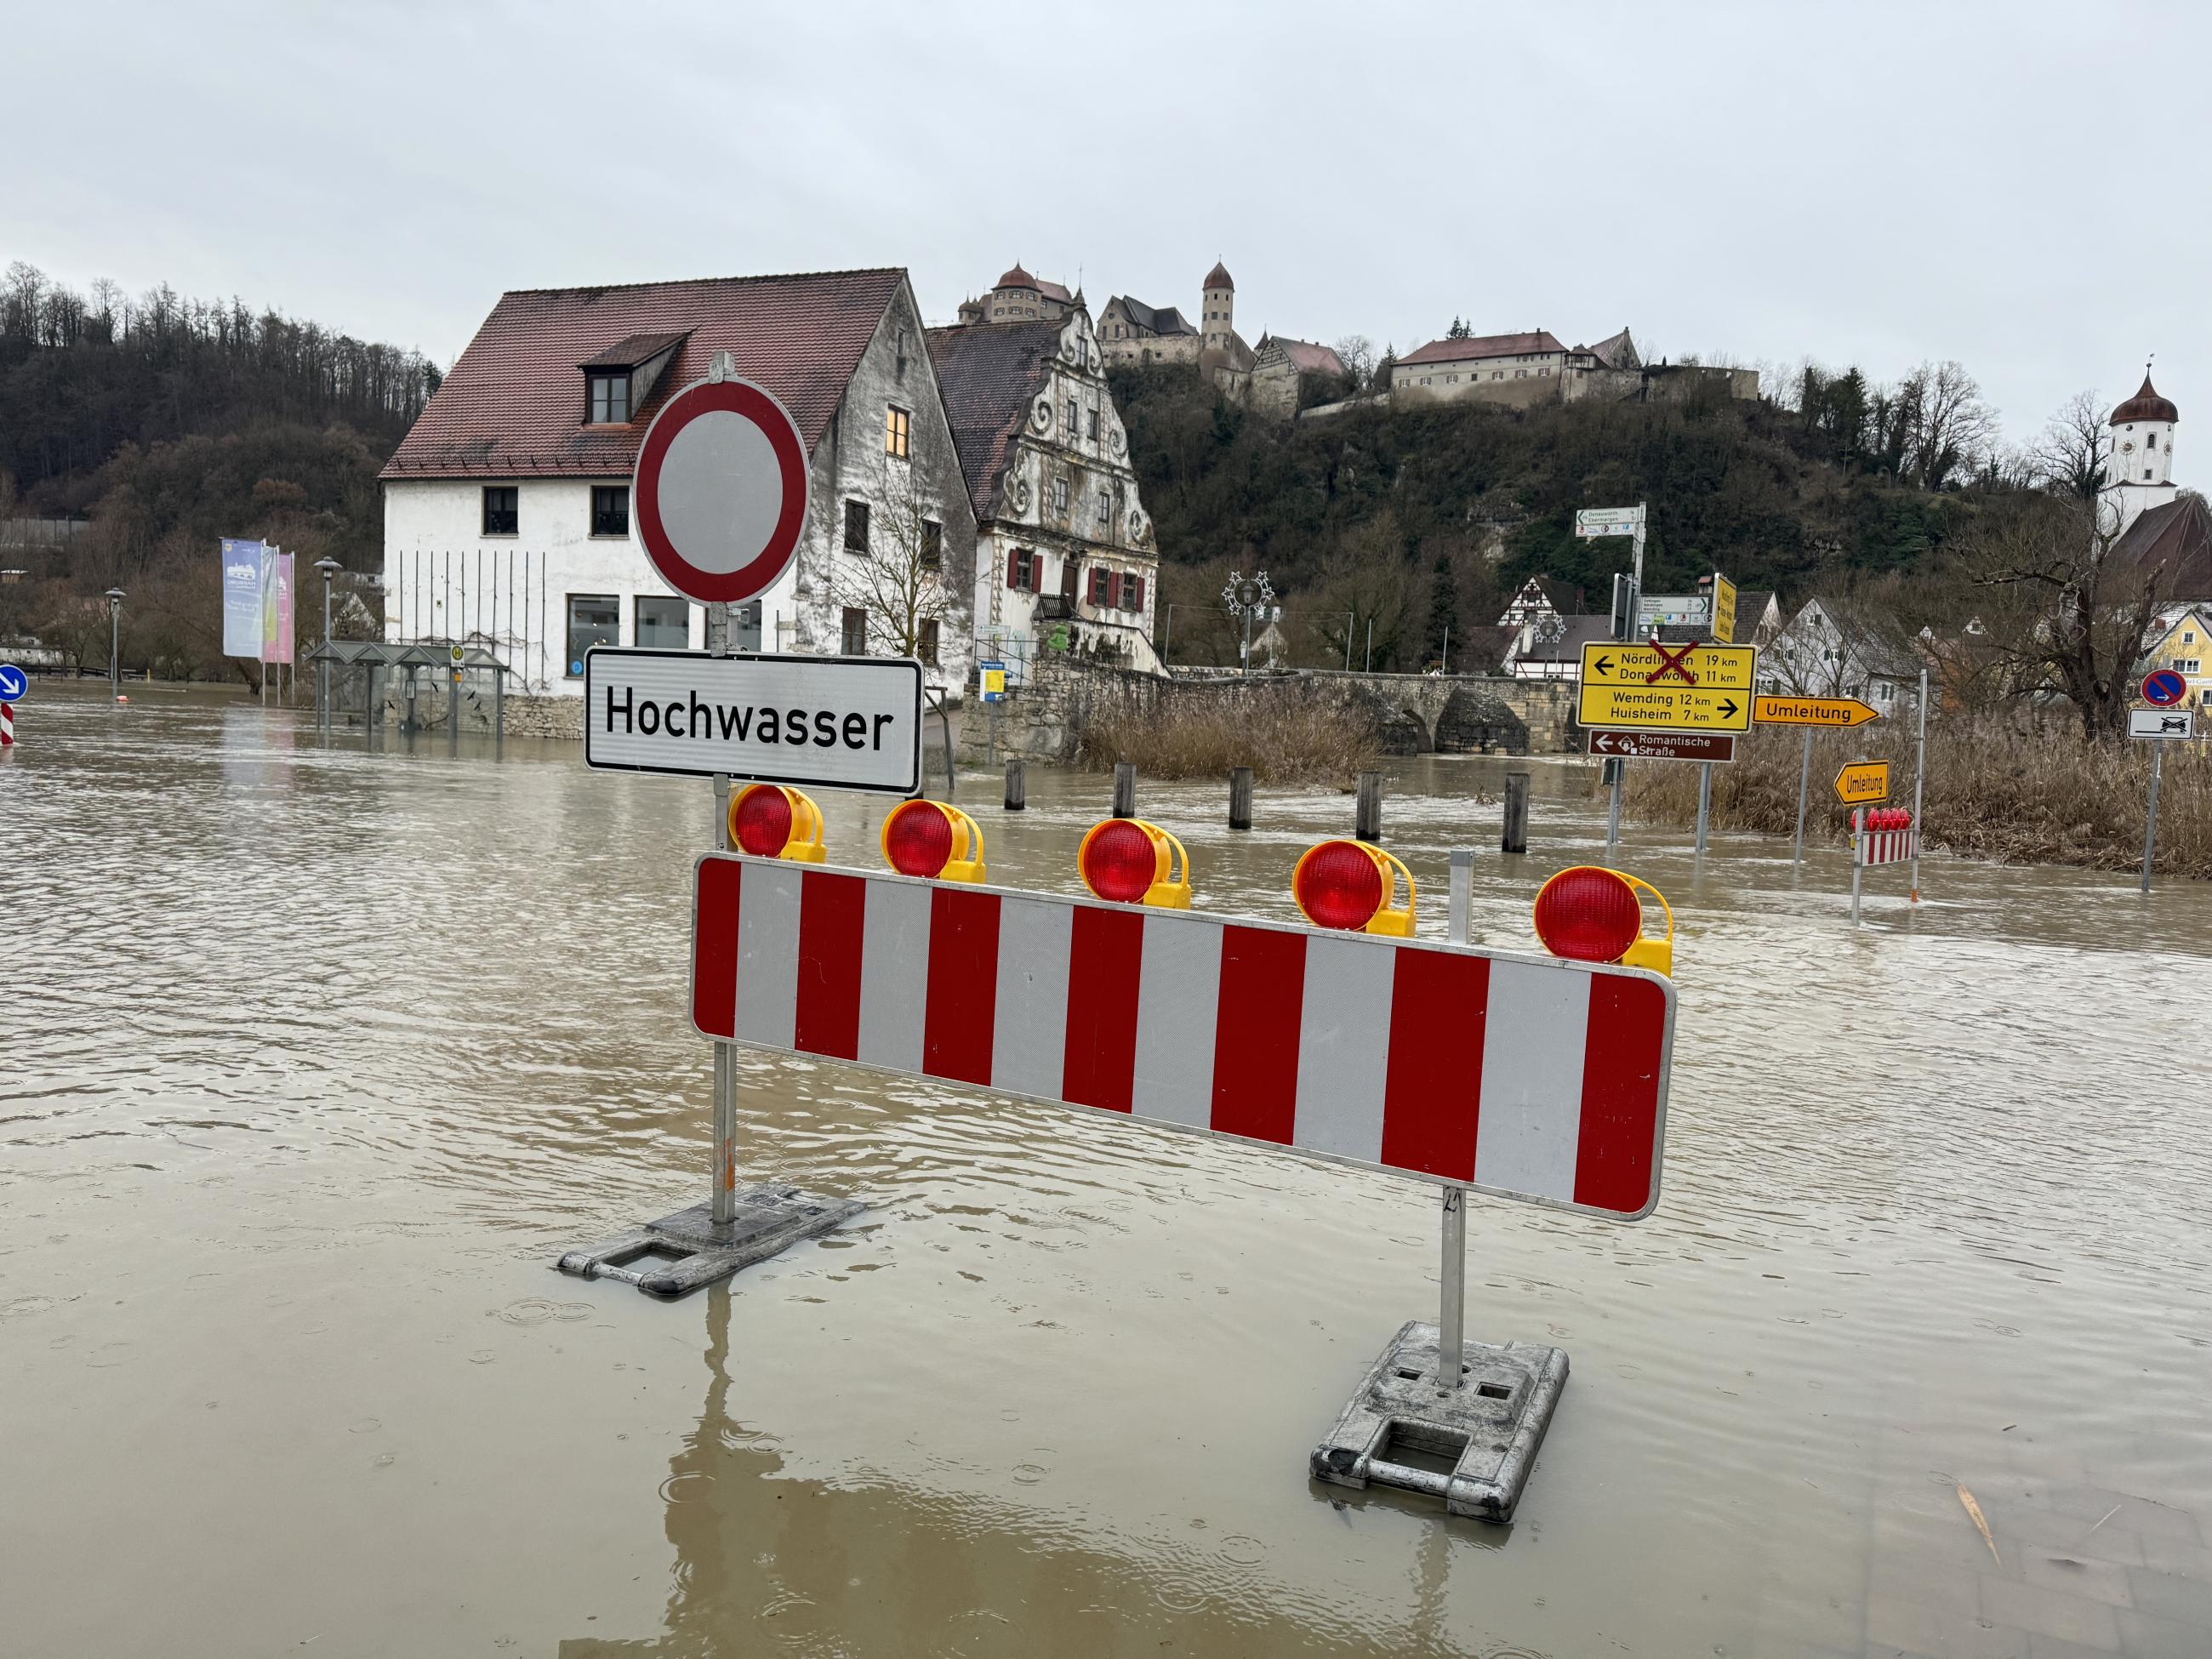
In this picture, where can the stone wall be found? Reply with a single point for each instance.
(1412, 714)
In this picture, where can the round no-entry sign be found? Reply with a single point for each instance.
(721, 491)
(2164, 688)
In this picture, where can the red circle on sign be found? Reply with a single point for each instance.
(2163, 687)
(705, 520)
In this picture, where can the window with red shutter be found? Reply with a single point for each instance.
(1133, 592)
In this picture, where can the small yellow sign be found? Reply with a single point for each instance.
(1838, 712)
(1682, 688)
(1723, 609)
(1862, 781)
(994, 682)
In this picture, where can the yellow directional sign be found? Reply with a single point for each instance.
(1723, 608)
(1838, 712)
(1682, 688)
(1862, 781)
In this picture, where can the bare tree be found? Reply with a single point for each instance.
(1356, 353)
(1946, 426)
(2063, 612)
(899, 582)
(2074, 456)
(1366, 596)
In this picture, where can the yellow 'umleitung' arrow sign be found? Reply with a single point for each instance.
(1862, 781)
(1838, 712)
(1683, 688)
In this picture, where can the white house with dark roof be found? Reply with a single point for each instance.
(1064, 548)
(506, 511)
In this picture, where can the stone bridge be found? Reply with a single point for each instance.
(1412, 714)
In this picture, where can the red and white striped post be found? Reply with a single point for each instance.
(7, 726)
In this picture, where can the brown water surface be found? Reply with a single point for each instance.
(316, 1055)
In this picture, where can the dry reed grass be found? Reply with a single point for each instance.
(1282, 734)
(1992, 793)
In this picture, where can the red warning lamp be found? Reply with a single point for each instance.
(1588, 913)
(929, 839)
(771, 822)
(1349, 885)
(1132, 862)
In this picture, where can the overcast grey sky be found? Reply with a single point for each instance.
(2019, 185)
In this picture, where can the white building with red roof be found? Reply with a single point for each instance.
(506, 511)
(1018, 297)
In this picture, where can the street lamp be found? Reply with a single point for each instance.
(115, 643)
(330, 567)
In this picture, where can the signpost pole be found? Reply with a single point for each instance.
(1613, 813)
(1857, 867)
(1804, 782)
(1919, 783)
(1705, 802)
(1451, 1304)
(725, 1208)
(2150, 818)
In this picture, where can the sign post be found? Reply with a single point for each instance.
(1618, 521)
(1836, 713)
(1856, 785)
(1919, 783)
(2163, 690)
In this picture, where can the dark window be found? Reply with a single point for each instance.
(925, 646)
(1105, 589)
(594, 619)
(854, 639)
(664, 622)
(1133, 593)
(610, 399)
(933, 544)
(611, 509)
(1094, 422)
(501, 514)
(856, 526)
(2154, 441)
(1025, 570)
(1059, 497)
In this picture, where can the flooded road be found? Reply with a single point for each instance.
(316, 1058)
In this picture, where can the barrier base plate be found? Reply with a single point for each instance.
(1473, 1447)
(679, 1253)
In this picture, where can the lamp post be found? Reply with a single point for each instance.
(115, 643)
(330, 567)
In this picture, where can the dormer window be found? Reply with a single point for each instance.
(619, 380)
(610, 400)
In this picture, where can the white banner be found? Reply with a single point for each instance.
(827, 722)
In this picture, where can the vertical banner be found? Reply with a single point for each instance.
(276, 617)
(242, 563)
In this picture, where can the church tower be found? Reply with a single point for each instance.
(2142, 467)
(1217, 315)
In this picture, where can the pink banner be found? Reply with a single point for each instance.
(277, 642)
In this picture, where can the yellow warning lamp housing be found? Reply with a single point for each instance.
(929, 839)
(1588, 913)
(1131, 861)
(1349, 885)
(771, 822)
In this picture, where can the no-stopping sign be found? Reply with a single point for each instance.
(721, 491)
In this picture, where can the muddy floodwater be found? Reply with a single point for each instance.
(315, 1056)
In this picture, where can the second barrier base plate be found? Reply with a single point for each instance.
(680, 1253)
(1473, 1447)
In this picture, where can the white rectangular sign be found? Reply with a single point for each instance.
(2162, 722)
(1607, 520)
(1672, 610)
(832, 722)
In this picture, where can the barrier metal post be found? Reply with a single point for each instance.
(1804, 781)
(1613, 817)
(724, 1208)
(1460, 924)
(1704, 802)
(1451, 1306)
(1919, 781)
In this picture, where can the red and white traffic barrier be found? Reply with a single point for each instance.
(7, 726)
(1887, 835)
(1518, 1075)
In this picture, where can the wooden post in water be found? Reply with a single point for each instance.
(1240, 798)
(1125, 790)
(1367, 815)
(1018, 798)
(1516, 838)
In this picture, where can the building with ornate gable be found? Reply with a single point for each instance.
(1065, 554)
